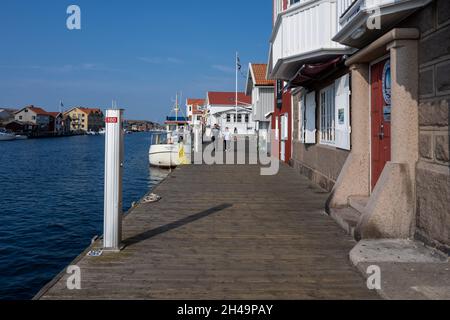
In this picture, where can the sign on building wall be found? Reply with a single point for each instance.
(386, 83)
(280, 94)
(342, 105)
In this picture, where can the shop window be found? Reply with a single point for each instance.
(327, 116)
(307, 118)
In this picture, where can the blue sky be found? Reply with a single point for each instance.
(138, 52)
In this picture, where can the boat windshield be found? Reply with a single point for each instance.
(159, 138)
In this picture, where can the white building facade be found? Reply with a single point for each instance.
(262, 92)
(222, 111)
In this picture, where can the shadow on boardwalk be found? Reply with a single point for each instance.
(225, 232)
(174, 225)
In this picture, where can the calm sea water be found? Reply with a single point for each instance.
(51, 203)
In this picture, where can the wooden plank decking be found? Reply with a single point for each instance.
(225, 232)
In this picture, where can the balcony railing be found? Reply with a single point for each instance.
(354, 15)
(303, 34)
(343, 6)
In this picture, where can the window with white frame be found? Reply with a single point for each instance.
(277, 126)
(301, 118)
(284, 127)
(327, 116)
(228, 118)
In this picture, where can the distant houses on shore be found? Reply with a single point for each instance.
(34, 121)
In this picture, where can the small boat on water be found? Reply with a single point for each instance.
(6, 136)
(21, 137)
(92, 133)
(172, 148)
(168, 150)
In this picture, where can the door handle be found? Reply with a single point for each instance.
(381, 133)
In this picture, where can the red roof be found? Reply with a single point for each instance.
(228, 98)
(37, 110)
(195, 103)
(90, 110)
(259, 72)
(54, 114)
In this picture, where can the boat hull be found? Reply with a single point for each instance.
(168, 155)
(164, 156)
(7, 137)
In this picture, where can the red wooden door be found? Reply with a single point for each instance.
(381, 121)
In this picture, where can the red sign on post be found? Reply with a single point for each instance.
(111, 120)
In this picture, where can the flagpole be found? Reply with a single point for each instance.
(236, 105)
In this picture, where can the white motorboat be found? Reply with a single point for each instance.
(21, 137)
(164, 155)
(172, 148)
(168, 151)
(6, 136)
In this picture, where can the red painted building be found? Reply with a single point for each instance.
(282, 115)
(282, 122)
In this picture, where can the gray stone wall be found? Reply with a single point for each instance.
(433, 169)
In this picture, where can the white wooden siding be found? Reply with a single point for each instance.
(305, 28)
(263, 102)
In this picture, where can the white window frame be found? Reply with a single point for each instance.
(342, 105)
(301, 118)
(277, 130)
(284, 127)
(310, 118)
(327, 116)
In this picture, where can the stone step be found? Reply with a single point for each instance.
(347, 218)
(358, 203)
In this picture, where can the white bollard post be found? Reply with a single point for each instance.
(114, 156)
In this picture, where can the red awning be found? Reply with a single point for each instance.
(309, 72)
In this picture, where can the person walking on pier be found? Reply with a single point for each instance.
(227, 139)
(215, 136)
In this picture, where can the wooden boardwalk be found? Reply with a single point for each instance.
(224, 232)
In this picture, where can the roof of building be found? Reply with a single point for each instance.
(54, 114)
(9, 110)
(86, 110)
(196, 103)
(37, 110)
(228, 98)
(177, 119)
(259, 71)
(91, 110)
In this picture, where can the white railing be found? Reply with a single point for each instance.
(343, 6)
(348, 9)
(306, 27)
